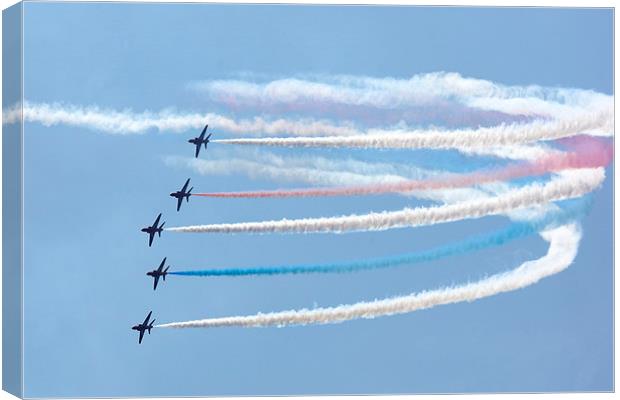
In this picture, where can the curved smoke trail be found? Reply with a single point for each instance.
(563, 245)
(554, 218)
(385, 96)
(573, 183)
(590, 152)
(468, 139)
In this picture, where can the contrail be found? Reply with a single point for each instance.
(590, 153)
(467, 139)
(563, 246)
(573, 183)
(571, 212)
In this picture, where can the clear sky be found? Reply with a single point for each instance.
(88, 193)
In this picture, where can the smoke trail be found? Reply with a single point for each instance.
(419, 90)
(325, 171)
(563, 245)
(467, 139)
(128, 122)
(571, 212)
(311, 170)
(573, 183)
(598, 154)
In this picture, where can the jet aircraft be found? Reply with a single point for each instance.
(159, 272)
(153, 229)
(145, 326)
(200, 140)
(183, 193)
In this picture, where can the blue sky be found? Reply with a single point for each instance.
(87, 194)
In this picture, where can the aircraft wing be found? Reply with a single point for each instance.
(157, 221)
(146, 321)
(197, 149)
(185, 186)
(151, 236)
(202, 134)
(179, 202)
(155, 281)
(141, 336)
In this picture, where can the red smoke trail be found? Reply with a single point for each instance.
(584, 152)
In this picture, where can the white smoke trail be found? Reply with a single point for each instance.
(423, 89)
(329, 134)
(530, 152)
(570, 184)
(129, 122)
(563, 246)
(314, 170)
(462, 139)
(12, 114)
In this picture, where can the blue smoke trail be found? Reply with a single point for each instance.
(573, 209)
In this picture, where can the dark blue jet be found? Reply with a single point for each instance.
(153, 229)
(200, 140)
(145, 326)
(159, 272)
(180, 194)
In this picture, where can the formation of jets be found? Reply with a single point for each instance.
(156, 229)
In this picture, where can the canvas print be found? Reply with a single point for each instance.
(234, 199)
